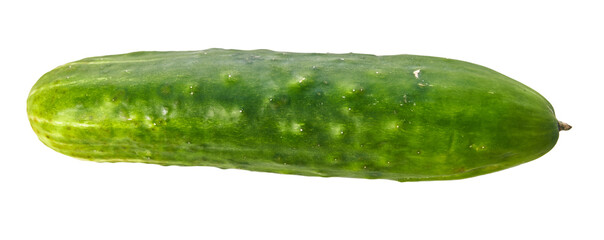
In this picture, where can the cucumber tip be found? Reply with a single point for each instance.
(562, 126)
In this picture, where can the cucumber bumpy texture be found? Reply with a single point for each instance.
(399, 117)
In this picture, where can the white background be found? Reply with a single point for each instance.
(555, 47)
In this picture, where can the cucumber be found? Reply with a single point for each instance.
(399, 117)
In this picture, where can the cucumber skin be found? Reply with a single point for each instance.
(330, 115)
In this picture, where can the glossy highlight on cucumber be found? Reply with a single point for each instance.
(399, 117)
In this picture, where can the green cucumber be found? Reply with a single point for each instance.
(399, 117)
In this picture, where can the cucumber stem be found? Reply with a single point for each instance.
(562, 126)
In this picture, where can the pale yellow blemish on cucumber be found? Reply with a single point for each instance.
(224, 115)
(416, 73)
(392, 125)
(290, 127)
(336, 129)
(477, 147)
